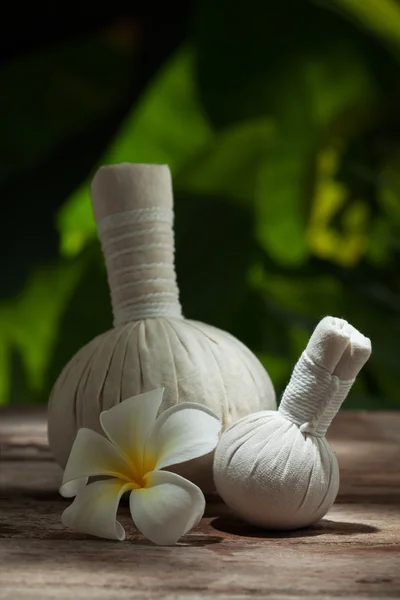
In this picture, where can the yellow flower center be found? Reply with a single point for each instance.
(138, 472)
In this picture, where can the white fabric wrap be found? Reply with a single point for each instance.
(276, 469)
(151, 345)
(273, 475)
(133, 209)
(313, 397)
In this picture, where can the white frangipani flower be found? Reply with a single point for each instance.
(163, 505)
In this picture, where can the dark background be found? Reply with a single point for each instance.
(281, 125)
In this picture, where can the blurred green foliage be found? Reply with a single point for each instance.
(281, 126)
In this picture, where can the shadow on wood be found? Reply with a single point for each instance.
(325, 526)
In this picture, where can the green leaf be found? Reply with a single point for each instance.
(266, 58)
(212, 276)
(279, 368)
(281, 201)
(167, 126)
(382, 17)
(215, 249)
(229, 164)
(29, 324)
(365, 309)
(5, 360)
(305, 87)
(304, 298)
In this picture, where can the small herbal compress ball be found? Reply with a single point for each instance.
(276, 469)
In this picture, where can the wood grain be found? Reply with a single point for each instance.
(353, 553)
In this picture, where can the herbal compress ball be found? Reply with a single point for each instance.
(151, 344)
(275, 468)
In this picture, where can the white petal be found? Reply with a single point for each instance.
(94, 509)
(127, 424)
(92, 455)
(71, 488)
(181, 433)
(167, 508)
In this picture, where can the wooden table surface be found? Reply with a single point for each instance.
(353, 553)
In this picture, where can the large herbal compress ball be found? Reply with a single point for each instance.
(151, 345)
